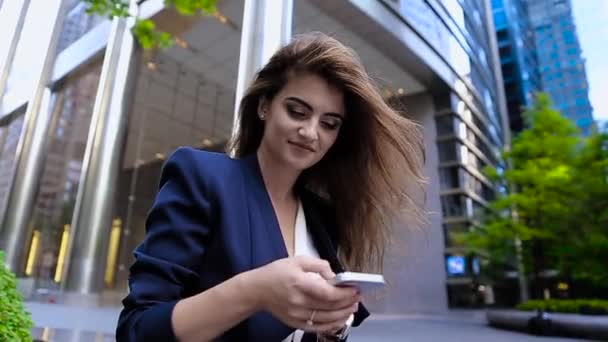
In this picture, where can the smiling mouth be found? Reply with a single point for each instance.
(302, 146)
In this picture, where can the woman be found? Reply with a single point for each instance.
(241, 249)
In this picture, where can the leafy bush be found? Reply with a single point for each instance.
(15, 322)
(580, 306)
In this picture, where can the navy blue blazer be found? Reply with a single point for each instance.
(212, 219)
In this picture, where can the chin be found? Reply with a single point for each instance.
(300, 163)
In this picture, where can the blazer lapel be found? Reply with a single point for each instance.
(260, 199)
(318, 221)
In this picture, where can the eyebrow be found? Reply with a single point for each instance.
(309, 107)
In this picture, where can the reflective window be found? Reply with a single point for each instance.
(452, 232)
(76, 23)
(449, 177)
(10, 131)
(445, 125)
(453, 205)
(448, 150)
(56, 198)
(478, 210)
(182, 96)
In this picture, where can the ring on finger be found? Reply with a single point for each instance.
(310, 321)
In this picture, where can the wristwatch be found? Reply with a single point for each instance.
(341, 334)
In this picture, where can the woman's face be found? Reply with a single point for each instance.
(302, 121)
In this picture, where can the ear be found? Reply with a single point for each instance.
(263, 106)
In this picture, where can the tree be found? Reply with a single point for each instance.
(145, 30)
(586, 254)
(554, 178)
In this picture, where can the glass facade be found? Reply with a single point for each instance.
(515, 37)
(58, 189)
(76, 23)
(561, 64)
(183, 96)
(10, 131)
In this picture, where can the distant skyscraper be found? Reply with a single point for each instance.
(515, 37)
(561, 65)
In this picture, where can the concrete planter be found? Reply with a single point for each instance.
(550, 324)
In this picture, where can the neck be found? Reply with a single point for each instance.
(279, 180)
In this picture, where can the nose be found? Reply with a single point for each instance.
(309, 130)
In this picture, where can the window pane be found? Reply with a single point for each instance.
(76, 24)
(449, 178)
(56, 198)
(453, 205)
(10, 131)
(448, 150)
(445, 125)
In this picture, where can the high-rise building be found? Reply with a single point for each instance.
(77, 191)
(517, 48)
(560, 60)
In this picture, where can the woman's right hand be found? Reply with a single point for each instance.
(292, 288)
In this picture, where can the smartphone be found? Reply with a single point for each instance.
(363, 281)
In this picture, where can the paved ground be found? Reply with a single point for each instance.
(57, 323)
(433, 329)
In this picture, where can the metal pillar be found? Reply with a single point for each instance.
(12, 16)
(92, 219)
(267, 25)
(29, 158)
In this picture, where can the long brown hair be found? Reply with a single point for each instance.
(371, 172)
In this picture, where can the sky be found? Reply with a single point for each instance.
(591, 17)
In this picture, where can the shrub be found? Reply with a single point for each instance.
(580, 306)
(15, 322)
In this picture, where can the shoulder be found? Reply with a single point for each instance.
(200, 159)
(198, 165)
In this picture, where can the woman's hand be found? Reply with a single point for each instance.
(293, 288)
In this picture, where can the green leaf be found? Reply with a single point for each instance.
(145, 30)
(15, 321)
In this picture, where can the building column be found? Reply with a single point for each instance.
(92, 218)
(12, 16)
(29, 159)
(267, 26)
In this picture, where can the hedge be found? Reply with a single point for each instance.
(15, 322)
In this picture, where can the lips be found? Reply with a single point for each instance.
(303, 146)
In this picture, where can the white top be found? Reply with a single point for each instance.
(303, 246)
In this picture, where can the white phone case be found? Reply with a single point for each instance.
(363, 281)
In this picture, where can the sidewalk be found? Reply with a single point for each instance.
(61, 323)
(58, 316)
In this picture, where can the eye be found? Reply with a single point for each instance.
(331, 125)
(295, 112)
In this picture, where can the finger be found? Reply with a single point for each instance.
(320, 266)
(328, 317)
(324, 292)
(314, 302)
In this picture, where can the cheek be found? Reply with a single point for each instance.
(328, 139)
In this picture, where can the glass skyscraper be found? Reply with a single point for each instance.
(561, 65)
(517, 48)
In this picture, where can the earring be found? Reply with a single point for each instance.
(262, 116)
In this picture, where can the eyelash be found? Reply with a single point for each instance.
(300, 115)
(295, 113)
